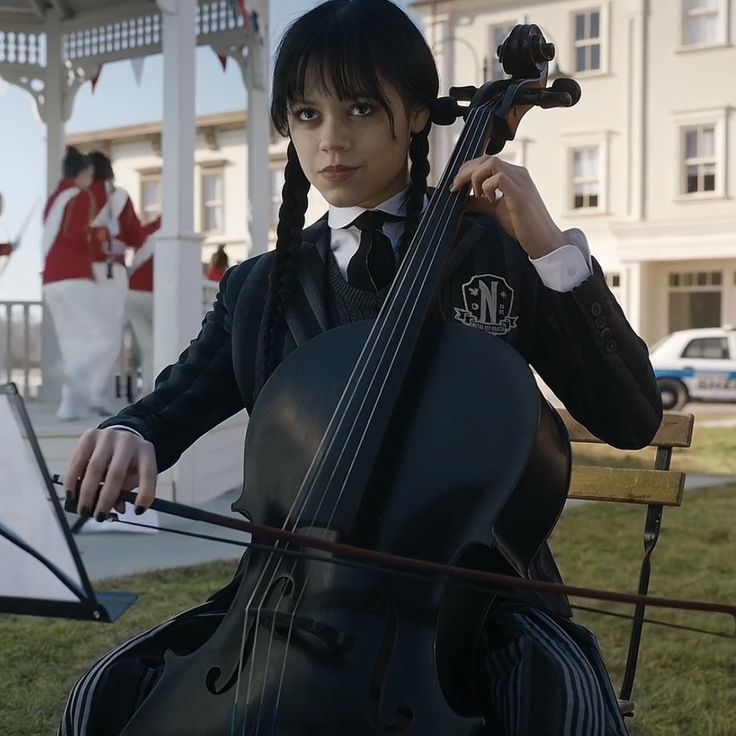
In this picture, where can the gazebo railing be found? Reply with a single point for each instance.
(20, 345)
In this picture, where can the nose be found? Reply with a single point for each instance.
(334, 136)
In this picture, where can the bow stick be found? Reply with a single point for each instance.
(375, 558)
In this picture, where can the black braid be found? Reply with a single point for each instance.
(419, 155)
(288, 242)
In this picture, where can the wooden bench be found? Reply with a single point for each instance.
(656, 488)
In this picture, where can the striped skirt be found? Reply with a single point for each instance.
(544, 676)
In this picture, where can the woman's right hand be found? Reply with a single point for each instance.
(109, 461)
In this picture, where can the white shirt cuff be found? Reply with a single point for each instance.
(126, 429)
(567, 266)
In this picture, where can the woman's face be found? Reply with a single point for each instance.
(346, 147)
(84, 179)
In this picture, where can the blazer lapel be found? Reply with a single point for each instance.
(306, 315)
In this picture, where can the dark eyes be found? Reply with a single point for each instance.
(306, 114)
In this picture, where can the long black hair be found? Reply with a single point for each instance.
(352, 47)
(74, 163)
(103, 166)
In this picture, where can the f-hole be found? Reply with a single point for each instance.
(215, 673)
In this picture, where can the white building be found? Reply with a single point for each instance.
(220, 178)
(645, 162)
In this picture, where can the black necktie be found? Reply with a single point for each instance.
(374, 264)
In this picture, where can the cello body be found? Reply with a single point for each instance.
(473, 471)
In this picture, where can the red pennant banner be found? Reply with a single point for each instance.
(223, 61)
(95, 77)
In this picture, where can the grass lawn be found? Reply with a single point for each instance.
(686, 684)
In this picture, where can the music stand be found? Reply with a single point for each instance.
(41, 571)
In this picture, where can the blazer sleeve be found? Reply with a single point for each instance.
(198, 391)
(588, 354)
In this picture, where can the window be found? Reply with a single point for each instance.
(213, 201)
(710, 348)
(613, 280)
(703, 22)
(150, 197)
(586, 178)
(699, 161)
(588, 40)
(498, 33)
(695, 299)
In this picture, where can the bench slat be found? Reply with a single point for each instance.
(627, 485)
(676, 430)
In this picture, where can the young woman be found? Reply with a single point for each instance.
(354, 86)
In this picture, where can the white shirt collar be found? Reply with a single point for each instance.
(339, 217)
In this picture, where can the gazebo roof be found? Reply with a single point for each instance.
(95, 32)
(31, 14)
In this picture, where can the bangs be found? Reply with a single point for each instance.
(337, 57)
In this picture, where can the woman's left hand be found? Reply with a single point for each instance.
(517, 206)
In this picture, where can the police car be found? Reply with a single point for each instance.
(696, 365)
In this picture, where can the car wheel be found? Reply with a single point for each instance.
(673, 393)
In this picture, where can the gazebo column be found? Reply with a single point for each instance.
(54, 112)
(258, 135)
(178, 255)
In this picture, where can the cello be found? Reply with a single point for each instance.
(308, 647)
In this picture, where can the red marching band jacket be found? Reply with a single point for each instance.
(68, 238)
(131, 234)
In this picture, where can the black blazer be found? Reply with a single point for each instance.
(579, 342)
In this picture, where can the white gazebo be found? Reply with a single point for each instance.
(51, 47)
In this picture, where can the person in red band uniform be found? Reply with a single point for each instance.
(139, 304)
(68, 282)
(219, 263)
(111, 278)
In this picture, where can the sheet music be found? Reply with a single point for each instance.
(26, 509)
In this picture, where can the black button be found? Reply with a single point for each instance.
(595, 309)
(610, 347)
(599, 322)
(604, 333)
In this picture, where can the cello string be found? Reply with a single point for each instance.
(419, 271)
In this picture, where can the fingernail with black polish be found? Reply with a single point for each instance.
(101, 516)
(85, 512)
(139, 510)
(70, 504)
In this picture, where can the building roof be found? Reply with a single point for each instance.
(220, 121)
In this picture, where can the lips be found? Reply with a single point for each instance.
(338, 173)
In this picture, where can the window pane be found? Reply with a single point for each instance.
(709, 182)
(580, 27)
(595, 56)
(707, 142)
(713, 348)
(213, 218)
(212, 184)
(692, 179)
(580, 59)
(150, 193)
(716, 278)
(691, 143)
(595, 25)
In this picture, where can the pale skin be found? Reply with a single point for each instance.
(327, 131)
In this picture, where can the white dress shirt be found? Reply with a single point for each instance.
(561, 270)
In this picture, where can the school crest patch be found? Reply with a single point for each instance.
(488, 303)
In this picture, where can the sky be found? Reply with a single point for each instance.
(116, 101)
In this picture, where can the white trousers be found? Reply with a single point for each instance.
(110, 308)
(139, 311)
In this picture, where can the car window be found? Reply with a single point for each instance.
(713, 348)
